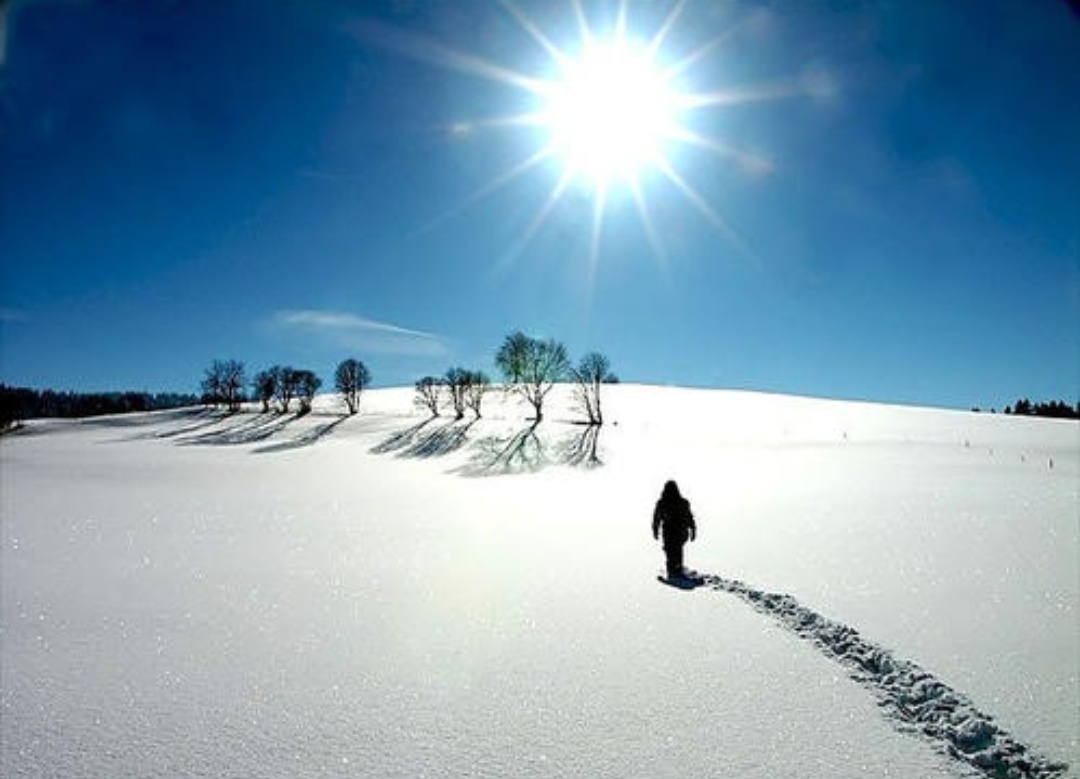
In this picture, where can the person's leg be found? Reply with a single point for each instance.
(674, 552)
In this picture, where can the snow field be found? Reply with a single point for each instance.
(183, 594)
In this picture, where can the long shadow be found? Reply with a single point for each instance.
(523, 452)
(258, 428)
(441, 441)
(309, 438)
(582, 449)
(422, 441)
(124, 420)
(913, 698)
(402, 439)
(690, 582)
(204, 417)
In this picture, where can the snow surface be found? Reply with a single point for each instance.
(194, 594)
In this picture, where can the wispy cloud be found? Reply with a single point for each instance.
(357, 332)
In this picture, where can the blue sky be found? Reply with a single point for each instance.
(881, 202)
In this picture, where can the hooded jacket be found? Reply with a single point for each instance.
(673, 515)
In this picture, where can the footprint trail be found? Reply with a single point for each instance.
(912, 697)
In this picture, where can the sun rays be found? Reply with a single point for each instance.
(612, 112)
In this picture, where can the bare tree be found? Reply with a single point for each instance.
(429, 394)
(223, 384)
(476, 387)
(593, 371)
(350, 379)
(307, 384)
(234, 384)
(513, 355)
(457, 382)
(265, 386)
(284, 386)
(532, 367)
(210, 386)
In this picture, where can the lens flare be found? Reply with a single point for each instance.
(611, 106)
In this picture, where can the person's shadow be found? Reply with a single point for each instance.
(688, 582)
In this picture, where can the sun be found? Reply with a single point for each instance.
(610, 113)
(614, 101)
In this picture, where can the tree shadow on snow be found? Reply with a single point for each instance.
(424, 441)
(258, 427)
(441, 441)
(581, 450)
(522, 452)
(308, 438)
(401, 439)
(200, 419)
(527, 452)
(189, 420)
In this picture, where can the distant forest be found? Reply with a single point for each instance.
(1056, 409)
(19, 403)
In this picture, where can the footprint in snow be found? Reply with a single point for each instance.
(912, 697)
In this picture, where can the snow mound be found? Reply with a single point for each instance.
(911, 696)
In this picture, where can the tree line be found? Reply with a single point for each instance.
(19, 403)
(531, 367)
(225, 383)
(1056, 409)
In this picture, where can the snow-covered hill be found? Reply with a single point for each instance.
(194, 594)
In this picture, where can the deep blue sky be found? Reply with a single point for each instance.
(290, 182)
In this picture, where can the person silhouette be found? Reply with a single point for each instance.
(673, 517)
